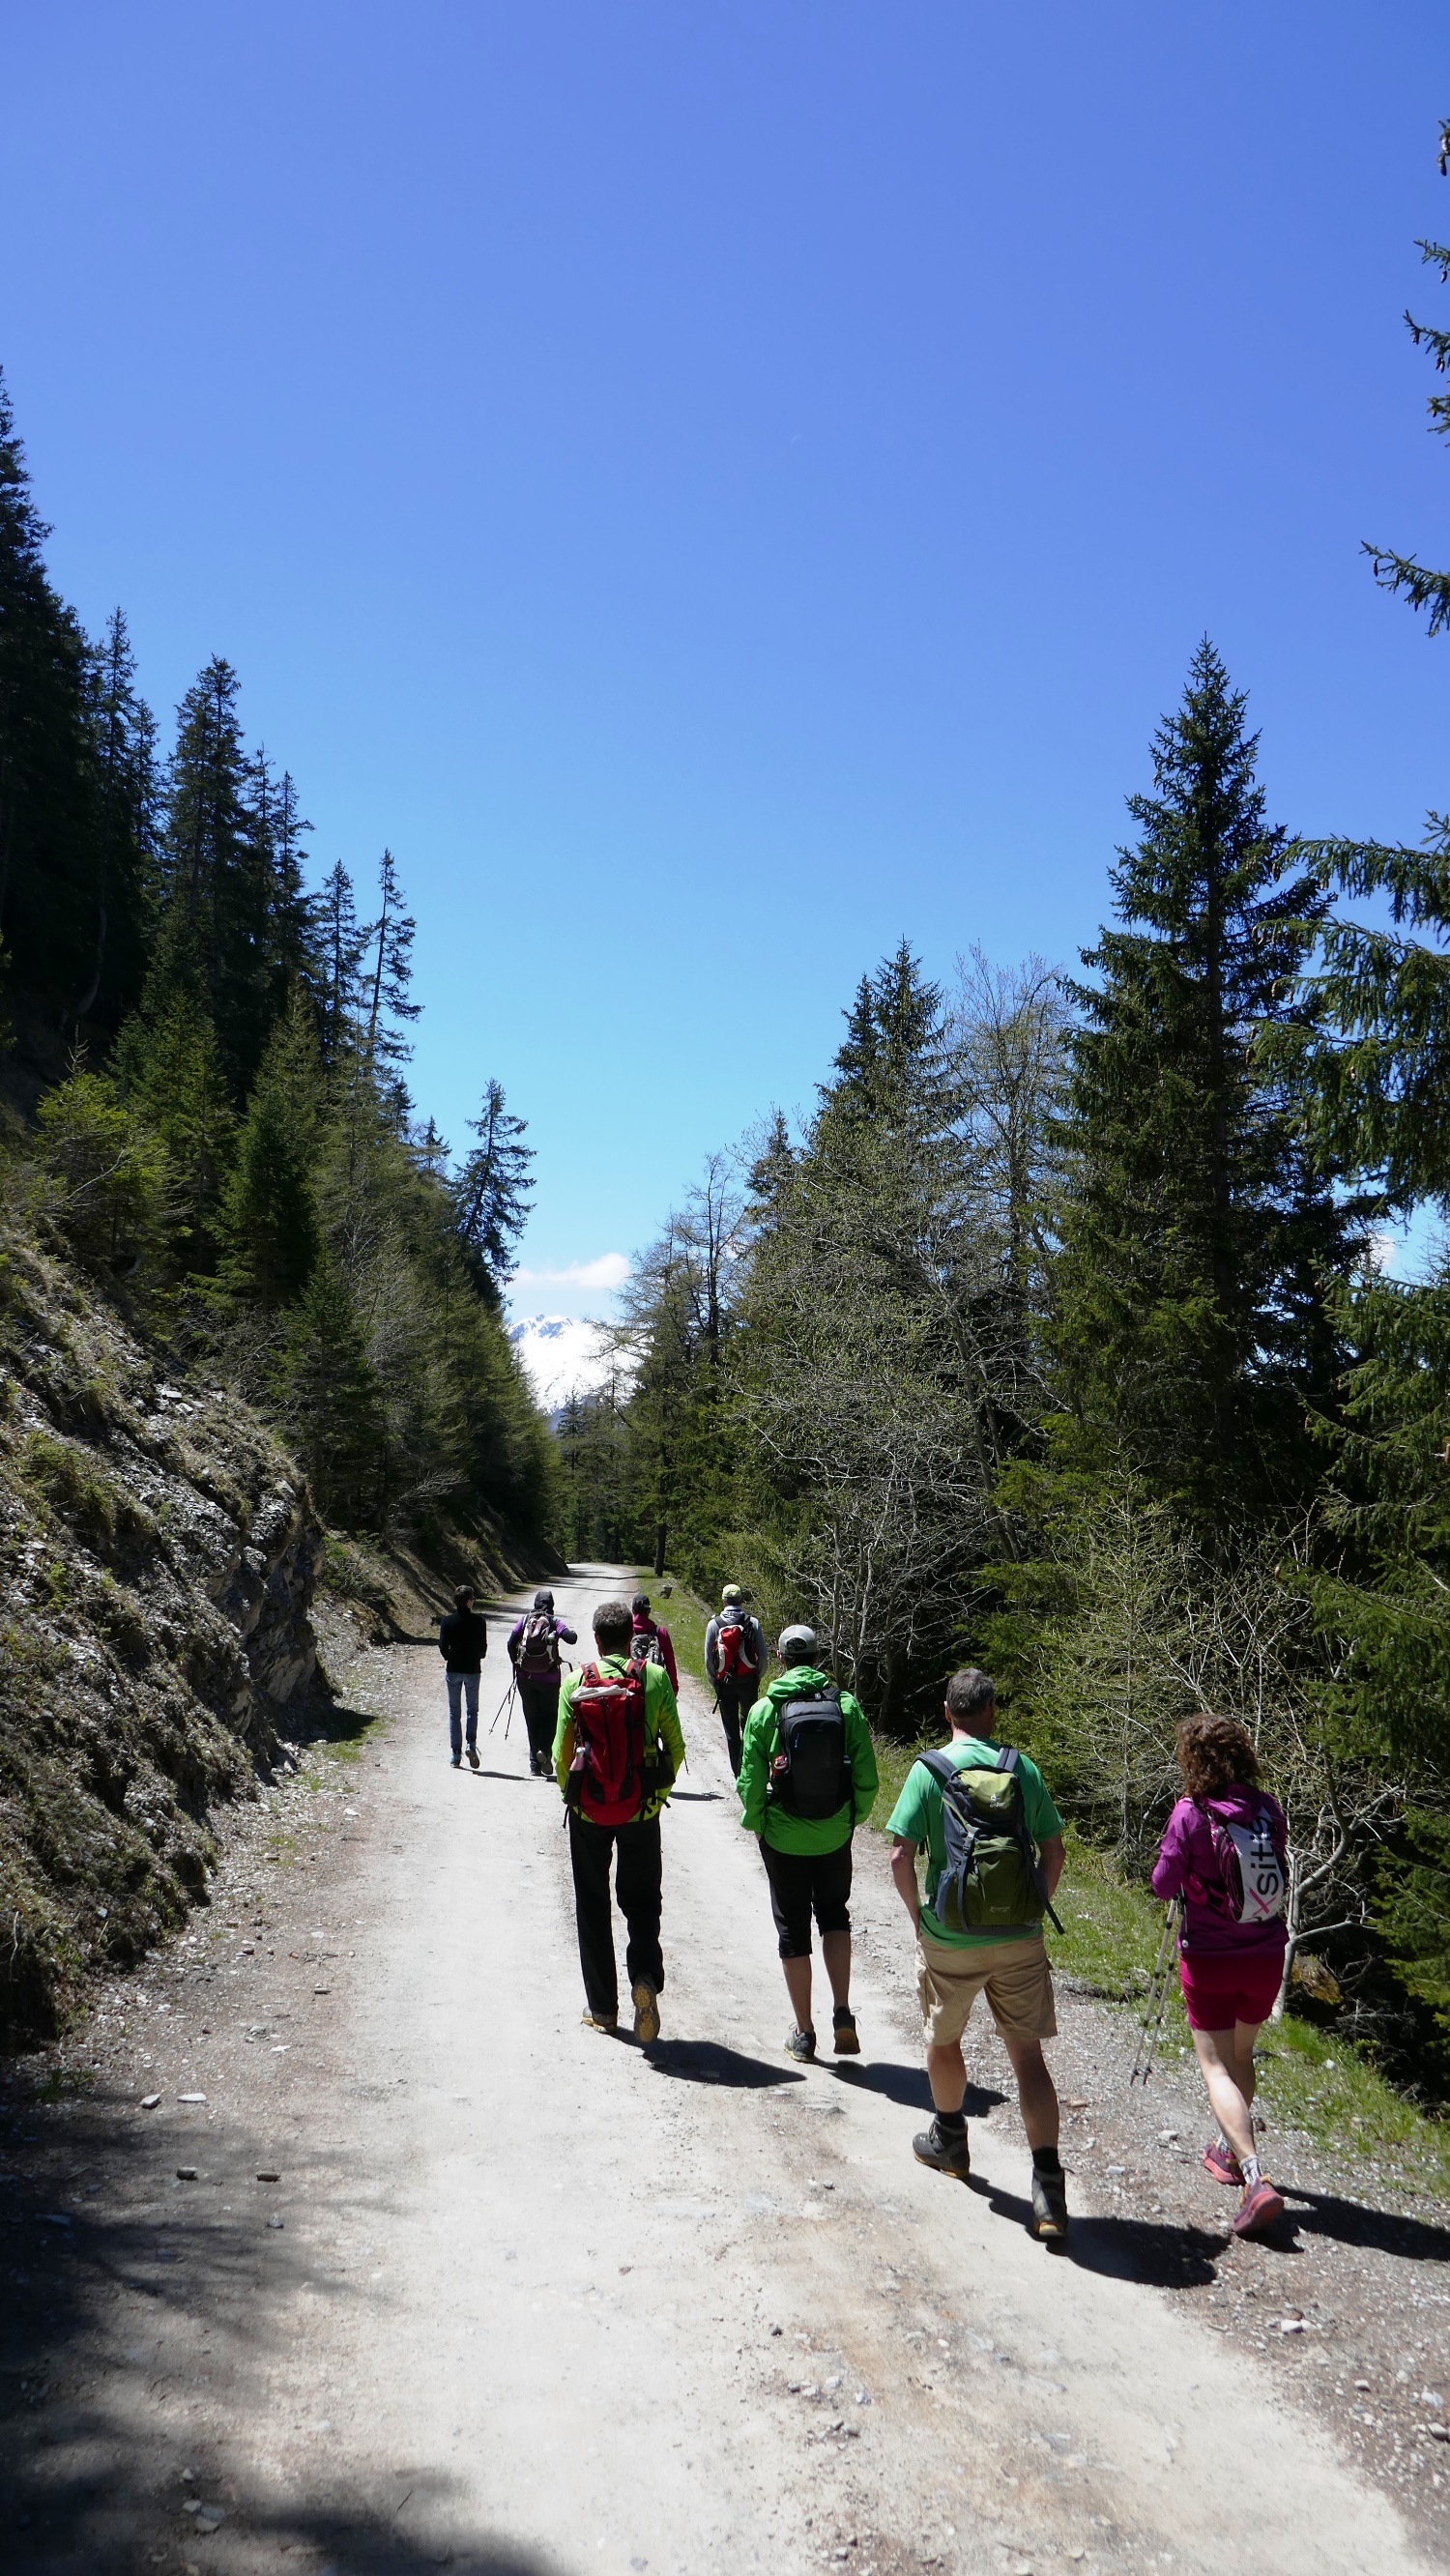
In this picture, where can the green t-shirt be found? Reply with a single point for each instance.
(917, 1818)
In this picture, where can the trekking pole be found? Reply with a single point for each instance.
(503, 1704)
(1152, 2029)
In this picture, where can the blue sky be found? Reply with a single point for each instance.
(716, 488)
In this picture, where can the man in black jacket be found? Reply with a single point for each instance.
(463, 1643)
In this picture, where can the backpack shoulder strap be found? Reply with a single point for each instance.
(1008, 1757)
(939, 1767)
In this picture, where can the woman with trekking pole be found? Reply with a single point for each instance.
(1225, 1852)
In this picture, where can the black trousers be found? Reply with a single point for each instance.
(735, 1707)
(637, 1862)
(803, 1884)
(539, 1700)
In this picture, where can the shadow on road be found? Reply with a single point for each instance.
(1350, 2222)
(708, 2061)
(1156, 2252)
(127, 2290)
(908, 2085)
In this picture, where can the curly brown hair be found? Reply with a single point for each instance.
(1214, 1754)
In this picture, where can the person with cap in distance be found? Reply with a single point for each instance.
(617, 1754)
(734, 1665)
(534, 1654)
(807, 1780)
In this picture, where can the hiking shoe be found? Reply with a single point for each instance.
(607, 2022)
(456, 1762)
(646, 2011)
(1223, 2164)
(1049, 2207)
(801, 2044)
(1258, 2209)
(944, 2153)
(473, 1755)
(846, 2043)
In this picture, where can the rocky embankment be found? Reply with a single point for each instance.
(157, 1556)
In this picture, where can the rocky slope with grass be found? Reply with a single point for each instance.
(157, 1559)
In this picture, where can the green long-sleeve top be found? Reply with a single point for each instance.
(661, 1723)
(775, 1825)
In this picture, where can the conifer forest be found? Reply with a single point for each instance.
(1059, 1336)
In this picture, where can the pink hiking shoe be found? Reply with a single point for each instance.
(1258, 2209)
(1223, 2165)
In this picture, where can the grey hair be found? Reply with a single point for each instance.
(970, 1693)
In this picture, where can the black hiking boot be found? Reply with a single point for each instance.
(1048, 2222)
(846, 2043)
(945, 2150)
(473, 1755)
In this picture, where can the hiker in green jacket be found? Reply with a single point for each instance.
(807, 1780)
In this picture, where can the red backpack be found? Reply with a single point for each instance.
(614, 1770)
(732, 1648)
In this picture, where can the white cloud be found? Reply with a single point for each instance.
(563, 1357)
(610, 1271)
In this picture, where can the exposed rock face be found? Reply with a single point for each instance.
(157, 1557)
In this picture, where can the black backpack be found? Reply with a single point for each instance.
(811, 1776)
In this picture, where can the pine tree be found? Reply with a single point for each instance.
(218, 868)
(341, 943)
(331, 1399)
(389, 943)
(1201, 1234)
(51, 825)
(169, 1072)
(269, 1224)
(124, 733)
(1392, 570)
(294, 927)
(892, 1064)
(493, 1192)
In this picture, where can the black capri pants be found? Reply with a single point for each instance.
(807, 1883)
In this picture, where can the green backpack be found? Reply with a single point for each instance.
(991, 1880)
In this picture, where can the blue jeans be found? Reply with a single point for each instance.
(460, 1686)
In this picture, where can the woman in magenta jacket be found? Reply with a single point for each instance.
(1226, 1853)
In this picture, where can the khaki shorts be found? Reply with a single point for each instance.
(1014, 1975)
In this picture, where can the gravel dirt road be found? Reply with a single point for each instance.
(518, 2298)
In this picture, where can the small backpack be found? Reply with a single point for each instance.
(810, 1776)
(991, 1881)
(615, 1769)
(736, 1659)
(539, 1645)
(645, 1647)
(1252, 1885)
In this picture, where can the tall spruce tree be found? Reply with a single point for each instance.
(269, 1221)
(341, 943)
(1202, 1236)
(124, 733)
(494, 1192)
(51, 821)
